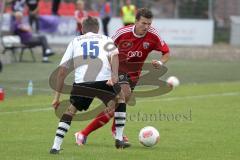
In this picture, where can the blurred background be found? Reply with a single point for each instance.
(202, 31)
(204, 40)
(223, 13)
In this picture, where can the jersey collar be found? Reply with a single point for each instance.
(133, 28)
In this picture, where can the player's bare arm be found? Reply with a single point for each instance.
(62, 73)
(158, 63)
(114, 61)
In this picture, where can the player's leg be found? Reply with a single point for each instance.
(104, 118)
(63, 127)
(126, 87)
(77, 103)
(98, 122)
(120, 116)
(131, 101)
(127, 93)
(101, 119)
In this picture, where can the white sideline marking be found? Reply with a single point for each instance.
(37, 89)
(28, 110)
(190, 97)
(143, 100)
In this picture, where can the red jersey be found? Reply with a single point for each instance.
(134, 49)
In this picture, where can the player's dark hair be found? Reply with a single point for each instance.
(144, 12)
(90, 24)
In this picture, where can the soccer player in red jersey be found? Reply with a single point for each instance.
(134, 43)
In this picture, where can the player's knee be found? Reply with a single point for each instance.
(121, 97)
(124, 94)
(71, 111)
(126, 90)
(127, 93)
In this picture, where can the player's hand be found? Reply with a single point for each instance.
(55, 103)
(112, 81)
(156, 64)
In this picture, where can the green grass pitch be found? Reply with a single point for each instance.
(199, 120)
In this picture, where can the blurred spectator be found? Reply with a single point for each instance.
(55, 7)
(25, 33)
(79, 15)
(105, 15)
(33, 13)
(128, 13)
(18, 5)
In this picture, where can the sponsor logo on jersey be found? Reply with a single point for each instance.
(125, 45)
(135, 54)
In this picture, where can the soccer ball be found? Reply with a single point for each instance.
(149, 136)
(173, 81)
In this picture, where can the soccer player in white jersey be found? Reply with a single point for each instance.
(83, 50)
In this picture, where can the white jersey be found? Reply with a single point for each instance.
(90, 58)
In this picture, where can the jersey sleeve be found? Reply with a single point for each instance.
(161, 45)
(116, 36)
(68, 56)
(121, 33)
(112, 47)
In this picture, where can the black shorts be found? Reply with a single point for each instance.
(124, 78)
(82, 94)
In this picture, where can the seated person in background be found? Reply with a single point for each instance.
(25, 33)
(16, 6)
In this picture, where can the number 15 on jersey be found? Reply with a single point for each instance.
(90, 49)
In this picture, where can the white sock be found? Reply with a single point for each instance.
(119, 133)
(57, 143)
(120, 119)
(60, 133)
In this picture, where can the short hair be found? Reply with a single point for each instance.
(90, 24)
(144, 12)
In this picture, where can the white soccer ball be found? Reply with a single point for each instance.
(149, 136)
(173, 81)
